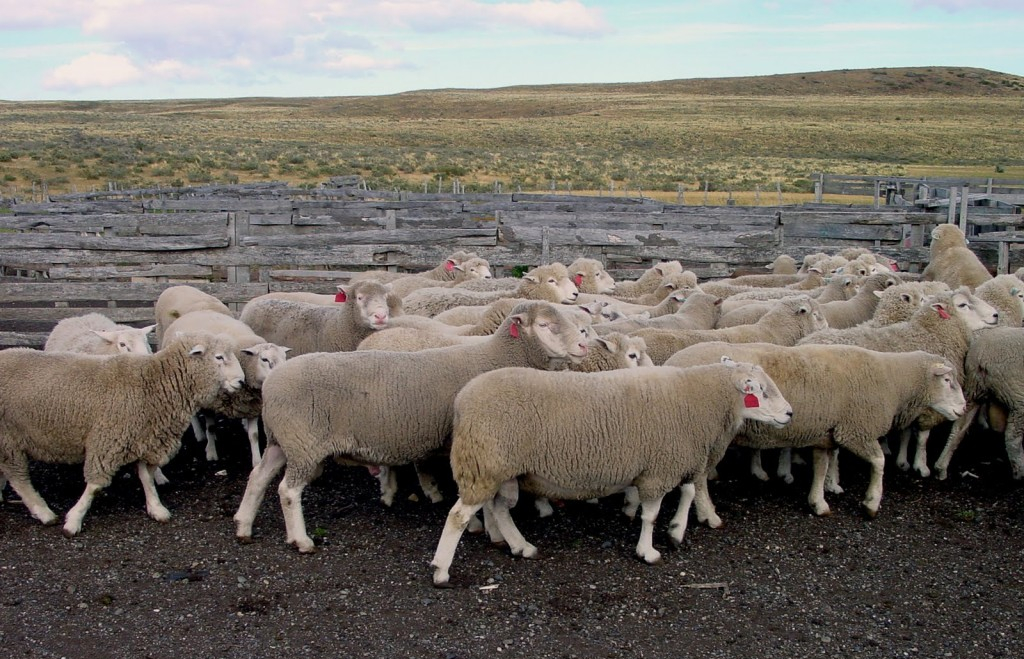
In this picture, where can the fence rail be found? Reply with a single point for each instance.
(114, 255)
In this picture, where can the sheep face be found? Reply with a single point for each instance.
(945, 236)
(590, 276)
(369, 301)
(556, 281)
(762, 400)
(559, 335)
(631, 350)
(666, 268)
(128, 341)
(808, 312)
(976, 313)
(944, 393)
(263, 358)
(475, 268)
(218, 350)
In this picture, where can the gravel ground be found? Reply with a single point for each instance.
(937, 574)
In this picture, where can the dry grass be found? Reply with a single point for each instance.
(651, 137)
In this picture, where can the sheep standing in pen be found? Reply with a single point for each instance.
(861, 307)
(789, 321)
(550, 283)
(106, 412)
(698, 311)
(257, 358)
(385, 408)
(176, 301)
(1006, 294)
(993, 374)
(511, 431)
(95, 334)
(648, 281)
(842, 396)
(951, 261)
(469, 270)
(943, 326)
(590, 276)
(443, 272)
(366, 308)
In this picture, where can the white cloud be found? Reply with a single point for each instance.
(93, 70)
(355, 64)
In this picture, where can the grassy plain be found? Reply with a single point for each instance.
(735, 135)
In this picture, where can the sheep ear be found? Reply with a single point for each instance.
(450, 265)
(718, 301)
(106, 335)
(147, 329)
(940, 309)
(878, 294)
(532, 278)
(198, 349)
(941, 369)
(728, 361)
(286, 350)
(610, 346)
(249, 351)
(815, 268)
(578, 279)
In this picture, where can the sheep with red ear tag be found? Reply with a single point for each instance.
(512, 431)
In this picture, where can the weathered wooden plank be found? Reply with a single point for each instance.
(309, 276)
(630, 237)
(96, 223)
(109, 206)
(269, 219)
(371, 208)
(378, 237)
(106, 244)
(633, 220)
(43, 316)
(126, 292)
(219, 204)
(125, 272)
(23, 339)
(827, 232)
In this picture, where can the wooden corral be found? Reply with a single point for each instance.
(114, 252)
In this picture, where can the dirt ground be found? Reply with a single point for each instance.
(937, 574)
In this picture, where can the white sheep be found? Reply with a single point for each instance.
(175, 301)
(861, 307)
(590, 276)
(842, 396)
(784, 264)
(943, 326)
(105, 411)
(305, 328)
(385, 408)
(648, 281)
(257, 358)
(1006, 294)
(443, 272)
(791, 319)
(95, 334)
(698, 311)
(951, 261)
(469, 270)
(609, 442)
(992, 375)
(549, 283)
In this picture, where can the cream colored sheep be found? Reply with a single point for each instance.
(951, 262)
(176, 301)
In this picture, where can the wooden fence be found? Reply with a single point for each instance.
(114, 252)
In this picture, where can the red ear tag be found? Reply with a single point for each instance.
(449, 266)
(750, 400)
(943, 314)
(578, 280)
(513, 331)
(340, 296)
(894, 267)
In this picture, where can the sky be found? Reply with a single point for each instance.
(162, 49)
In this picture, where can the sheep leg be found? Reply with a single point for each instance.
(816, 497)
(832, 474)
(73, 520)
(785, 467)
(677, 526)
(1012, 438)
(252, 429)
(428, 483)
(876, 459)
(705, 508)
(388, 479)
(291, 509)
(211, 437)
(198, 428)
(543, 506)
(645, 546)
(259, 478)
(901, 457)
(921, 453)
(755, 466)
(491, 526)
(154, 507)
(454, 526)
(17, 472)
(632, 497)
(503, 518)
(956, 435)
(159, 478)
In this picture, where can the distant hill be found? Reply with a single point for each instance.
(917, 81)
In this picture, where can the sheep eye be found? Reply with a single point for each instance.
(551, 281)
(219, 358)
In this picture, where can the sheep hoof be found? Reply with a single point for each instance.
(788, 479)
(244, 539)
(869, 511)
(834, 489)
(305, 546)
(940, 474)
(822, 510)
(69, 532)
(528, 551)
(713, 521)
(652, 557)
(925, 472)
(441, 578)
(48, 520)
(904, 466)
(760, 475)
(161, 514)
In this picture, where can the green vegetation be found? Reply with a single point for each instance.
(731, 134)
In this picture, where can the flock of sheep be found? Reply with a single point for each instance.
(395, 369)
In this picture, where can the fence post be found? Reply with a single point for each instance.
(963, 209)
(705, 193)
(951, 211)
(545, 246)
(238, 229)
(819, 186)
(878, 192)
(778, 191)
